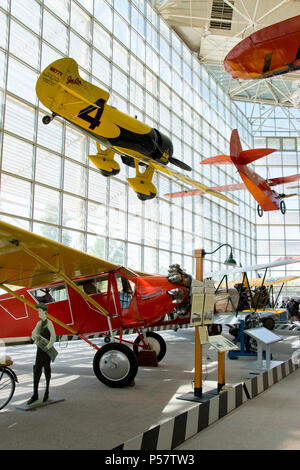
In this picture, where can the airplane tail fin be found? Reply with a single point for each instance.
(60, 84)
(237, 154)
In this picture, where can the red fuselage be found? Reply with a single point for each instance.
(132, 302)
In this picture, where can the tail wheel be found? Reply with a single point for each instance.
(282, 207)
(260, 211)
(115, 365)
(155, 342)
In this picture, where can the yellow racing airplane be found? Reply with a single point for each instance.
(61, 89)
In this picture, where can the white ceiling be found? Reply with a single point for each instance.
(192, 21)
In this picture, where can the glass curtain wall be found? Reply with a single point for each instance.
(278, 235)
(49, 186)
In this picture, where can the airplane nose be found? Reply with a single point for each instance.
(177, 295)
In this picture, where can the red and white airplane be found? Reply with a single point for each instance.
(260, 188)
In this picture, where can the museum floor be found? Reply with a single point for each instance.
(93, 416)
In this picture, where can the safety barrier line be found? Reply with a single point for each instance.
(175, 431)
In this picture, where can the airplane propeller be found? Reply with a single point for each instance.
(180, 164)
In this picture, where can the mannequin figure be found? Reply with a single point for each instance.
(44, 337)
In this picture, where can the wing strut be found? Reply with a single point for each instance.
(32, 305)
(71, 283)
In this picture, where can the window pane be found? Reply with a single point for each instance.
(150, 260)
(3, 29)
(50, 136)
(96, 246)
(134, 257)
(48, 163)
(119, 82)
(76, 145)
(102, 40)
(121, 30)
(80, 21)
(24, 88)
(19, 118)
(15, 196)
(116, 252)
(73, 239)
(23, 44)
(97, 221)
(117, 224)
(120, 56)
(97, 187)
(103, 13)
(20, 10)
(74, 178)
(46, 205)
(73, 212)
(134, 228)
(55, 32)
(17, 156)
(79, 51)
(101, 68)
(61, 8)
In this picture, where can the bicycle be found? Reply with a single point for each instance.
(8, 379)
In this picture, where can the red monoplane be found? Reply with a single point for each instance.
(260, 188)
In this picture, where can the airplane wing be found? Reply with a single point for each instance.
(186, 179)
(279, 262)
(197, 192)
(283, 179)
(18, 268)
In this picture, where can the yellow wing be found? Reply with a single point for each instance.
(258, 281)
(186, 179)
(19, 268)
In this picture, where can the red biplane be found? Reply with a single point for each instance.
(260, 188)
(87, 297)
(271, 51)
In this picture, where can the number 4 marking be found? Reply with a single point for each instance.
(85, 113)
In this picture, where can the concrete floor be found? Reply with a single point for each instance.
(93, 416)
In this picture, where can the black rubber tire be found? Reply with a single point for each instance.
(7, 386)
(158, 343)
(260, 211)
(125, 365)
(282, 207)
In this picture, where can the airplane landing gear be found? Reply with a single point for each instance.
(282, 207)
(155, 342)
(142, 182)
(115, 365)
(47, 119)
(260, 211)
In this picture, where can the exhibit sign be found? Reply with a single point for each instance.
(203, 301)
(221, 343)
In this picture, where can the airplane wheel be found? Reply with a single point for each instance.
(46, 119)
(115, 365)
(282, 207)
(113, 172)
(260, 211)
(156, 343)
(145, 197)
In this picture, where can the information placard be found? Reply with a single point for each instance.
(221, 343)
(197, 310)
